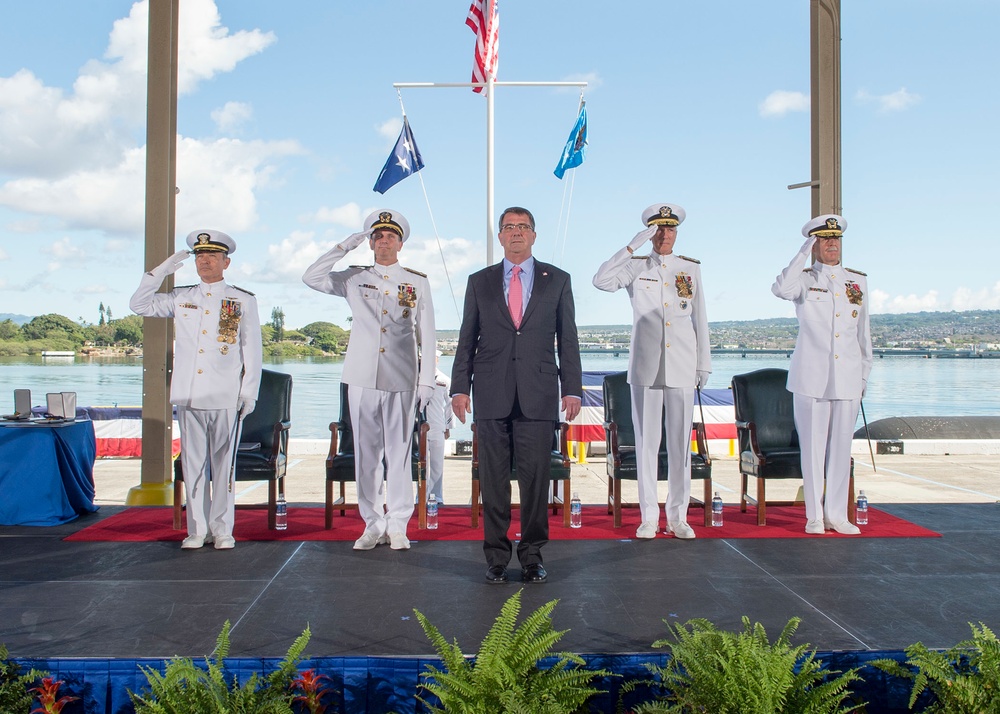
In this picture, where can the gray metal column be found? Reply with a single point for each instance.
(157, 333)
(824, 35)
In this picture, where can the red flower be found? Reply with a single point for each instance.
(47, 692)
(310, 684)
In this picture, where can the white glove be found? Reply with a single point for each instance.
(246, 406)
(701, 378)
(171, 264)
(354, 240)
(807, 246)
(424, 396)
(641, 237)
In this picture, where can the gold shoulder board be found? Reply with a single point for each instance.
(640, 257)
(693, 260)
(243, 290)
(856, 272)
(415, 272)
(360, 267)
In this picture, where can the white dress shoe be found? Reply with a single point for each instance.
(646, 531)
(192, 542)
(846, 528)
(368, 540)
(399, 541)
(682, 530)
(815, 527)
(225, 542)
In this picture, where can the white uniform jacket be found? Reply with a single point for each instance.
(670, 339)
(217, 344)
(833, 352)
(393, 317)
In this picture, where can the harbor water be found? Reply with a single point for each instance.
(899, 386)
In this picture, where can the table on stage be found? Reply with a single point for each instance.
(46, 473)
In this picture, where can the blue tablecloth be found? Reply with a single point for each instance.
(46, 473)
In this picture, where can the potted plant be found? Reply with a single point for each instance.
(184, 687)
(14, 693)
(505, 675)
(963, 680)
(711, 670)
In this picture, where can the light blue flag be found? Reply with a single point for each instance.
(576, 146)
(404, 160)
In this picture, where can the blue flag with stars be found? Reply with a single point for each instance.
(404, 160)
(576, 146)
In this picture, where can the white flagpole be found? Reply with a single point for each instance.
(490, 208)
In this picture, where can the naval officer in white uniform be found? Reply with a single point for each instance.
(216, 376)
(393, 323)
(669, 356)
(829, 368)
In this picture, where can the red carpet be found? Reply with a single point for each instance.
(139, 524)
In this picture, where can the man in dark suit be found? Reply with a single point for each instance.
(518, 314)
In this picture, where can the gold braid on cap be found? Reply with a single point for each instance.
(204, 244)
(828, 230)
(385, 221)
(665, 217)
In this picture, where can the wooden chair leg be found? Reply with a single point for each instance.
(761, 503)
(475, 503)
(707, 502)
(328, 519)
(617, 503)
(566, 502)
(743, 493)
(272, 505)
(852, 505)
(421, 504)
(343, 498)
(178, 504)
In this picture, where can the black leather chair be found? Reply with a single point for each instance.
(768, 442)
(340, 463)
(619, 433)
(263, 451)
(559, 472)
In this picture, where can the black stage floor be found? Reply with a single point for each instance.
(129, 600)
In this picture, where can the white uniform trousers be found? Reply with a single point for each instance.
(435, 466)
(647, 406)
(826, 429)
(383, 433)
(206, 458)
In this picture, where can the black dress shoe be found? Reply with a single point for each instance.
(496, 574)
(533, 573)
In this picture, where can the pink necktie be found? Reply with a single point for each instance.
(514, 296)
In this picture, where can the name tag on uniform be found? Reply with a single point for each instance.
(818, 290)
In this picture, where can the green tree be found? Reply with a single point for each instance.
(278, 323)
(327, 336)
(52, 326)
(9, 330)
(101, 310)
(128, 330)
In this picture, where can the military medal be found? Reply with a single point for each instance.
(406, 312)
(854, 294)
(684, 304)
(407, 295)
(230, 313)
(683, 283)
(224, 349)
(854, 313)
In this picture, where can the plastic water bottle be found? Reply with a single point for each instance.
(432, 512)
(281, 513)
(861, 517)
(575, 512)
(717, 510)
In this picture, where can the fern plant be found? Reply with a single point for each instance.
(711, 670)
(14, 693)
(184, 687)
(504, 677)
(964, 679)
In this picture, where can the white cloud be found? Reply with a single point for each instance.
(4, 255)
(64, 250)
(349, 215)
(389, 130)
(963, 298)
(781, 102)
(897, 101)
(232, 115)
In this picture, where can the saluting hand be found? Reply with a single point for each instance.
(354, 240)
(171, 264)
(641, 237)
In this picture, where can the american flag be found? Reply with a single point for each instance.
(485, 22)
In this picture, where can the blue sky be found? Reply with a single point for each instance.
(287, 113)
